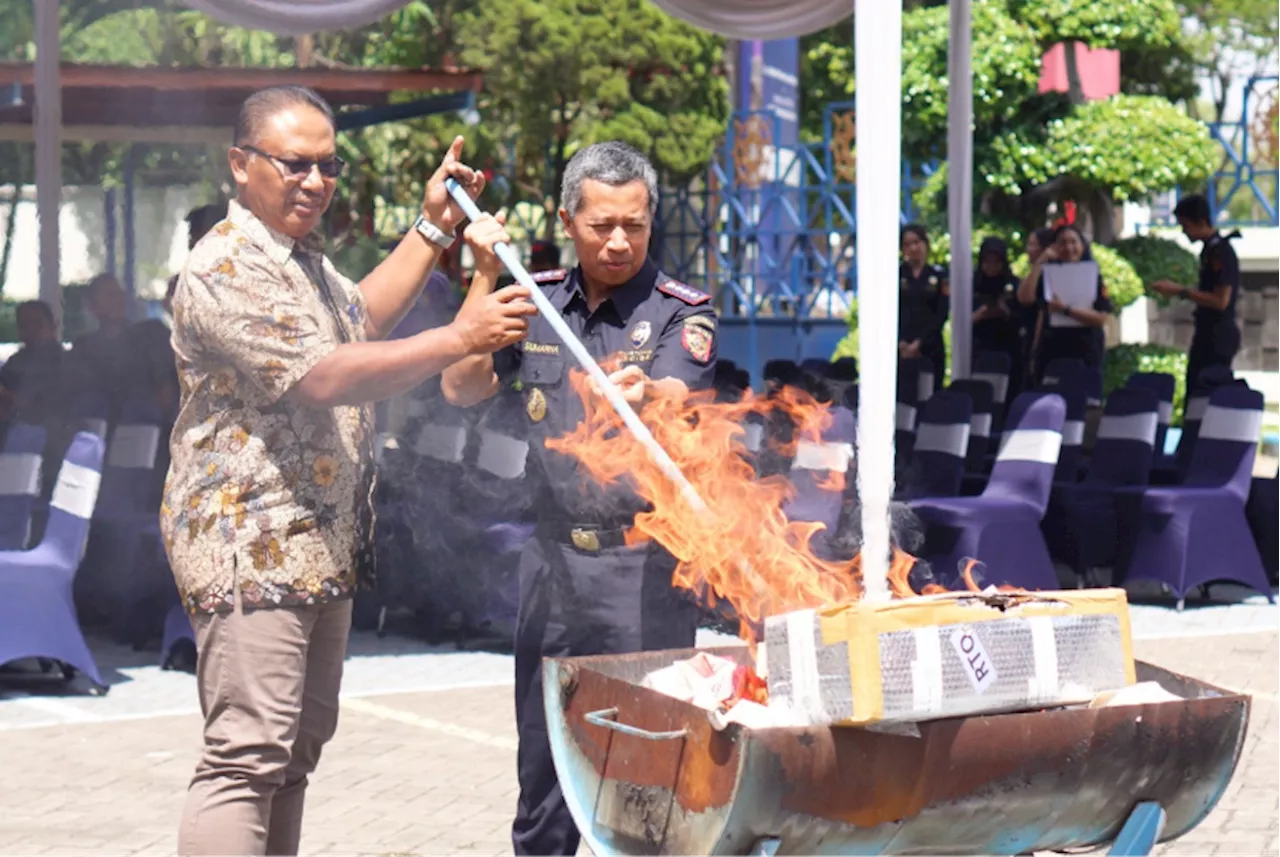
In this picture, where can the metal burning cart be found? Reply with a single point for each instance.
(644, 773)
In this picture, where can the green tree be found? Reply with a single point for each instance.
(1033, 150)
(564, 73)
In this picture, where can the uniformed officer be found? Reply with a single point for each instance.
(995, 298)
(923, 301)
(583, 591)
(1217, 338)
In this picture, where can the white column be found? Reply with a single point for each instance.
(878, 51)
(48, 138)
(960, 185)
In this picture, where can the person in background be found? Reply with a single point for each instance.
(1086, 342)
(1217, 337)
(99, 362)
(31, 380)
(1028, 315)
(543, 256)
(923, 303)
(995, 306)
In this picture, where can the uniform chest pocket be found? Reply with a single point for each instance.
(542, 370)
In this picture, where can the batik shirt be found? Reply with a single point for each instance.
(264, 494)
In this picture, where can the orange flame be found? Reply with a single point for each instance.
(742, 548)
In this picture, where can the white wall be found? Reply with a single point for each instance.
(160, 238)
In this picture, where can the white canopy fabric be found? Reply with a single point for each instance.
(759, 19)
(296, 17)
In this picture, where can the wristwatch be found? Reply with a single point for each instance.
(434, 234)
(1185, 293)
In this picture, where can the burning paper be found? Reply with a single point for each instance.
(742, 548)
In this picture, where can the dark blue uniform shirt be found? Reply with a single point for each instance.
(665, 327)
(1219, 266)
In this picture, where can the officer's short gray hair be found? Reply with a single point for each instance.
(612, 163)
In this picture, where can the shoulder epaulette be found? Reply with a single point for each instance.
(680, 291)
(553, 276)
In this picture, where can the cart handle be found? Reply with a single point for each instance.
(607, 717)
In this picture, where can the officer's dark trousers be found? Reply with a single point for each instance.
(574, 603)
(1210, 350)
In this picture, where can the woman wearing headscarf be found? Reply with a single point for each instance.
(995, 307)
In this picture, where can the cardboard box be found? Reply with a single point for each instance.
(949, 655)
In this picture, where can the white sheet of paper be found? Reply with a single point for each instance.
(1075, 284)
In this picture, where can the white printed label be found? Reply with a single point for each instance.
(974, 658)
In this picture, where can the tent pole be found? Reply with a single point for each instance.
(960, 185)
(48, 139)
(878, 105)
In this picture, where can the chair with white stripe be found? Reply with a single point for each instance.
(994, 368)
(1068, 470)
(821, 471)
(1001, 528)
(1197, 403)
(1080, 524)
(1164, 386)
(908, 407)
(1189, 535)
(37, 613)
(20, 483)
(942, 440)
(126, 574)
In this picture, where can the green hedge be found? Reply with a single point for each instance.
(1124, 360)
(1154, 258)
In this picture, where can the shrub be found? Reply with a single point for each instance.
(1125, 360)
(1154, 258)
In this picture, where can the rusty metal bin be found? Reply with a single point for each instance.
(644, 773)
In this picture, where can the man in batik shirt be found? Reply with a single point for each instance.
(267, 516)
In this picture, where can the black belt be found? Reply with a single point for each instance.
(588, 538)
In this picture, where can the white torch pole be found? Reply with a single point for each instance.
(878, 110)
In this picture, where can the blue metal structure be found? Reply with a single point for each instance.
(1245, 191)
(769, 230)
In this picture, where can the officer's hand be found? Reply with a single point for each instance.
(437, 205)
(631, 382)
(482, 235)
(1165, 288)
(494, 321)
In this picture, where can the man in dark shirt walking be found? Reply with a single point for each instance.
(1217, 337)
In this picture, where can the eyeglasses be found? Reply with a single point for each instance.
(300, 168)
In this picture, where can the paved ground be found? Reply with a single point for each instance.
(424, 759)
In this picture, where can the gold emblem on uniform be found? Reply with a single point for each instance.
(585, 540)
(537, 406)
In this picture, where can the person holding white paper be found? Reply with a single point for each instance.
(1079, 331)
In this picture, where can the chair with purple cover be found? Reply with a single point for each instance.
(1164, 386)
(820, 470)
(1187, 535)
(1001, 527)
(37, 614)
(1080, 524)
(125, 567)
(20, 463)
(908, 407)
(976, 464)
(1261, 510)
(942, 440)
(1197, 401)
(994, 368)
(1075, 396)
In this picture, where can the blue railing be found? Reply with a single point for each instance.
(1245, 191)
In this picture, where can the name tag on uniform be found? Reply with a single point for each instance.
(541, 348)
